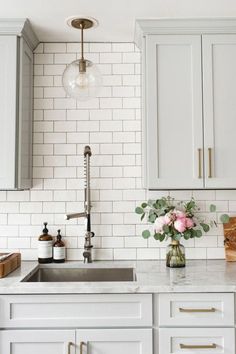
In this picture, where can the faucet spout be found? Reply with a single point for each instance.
(75, 215)
(87, 254)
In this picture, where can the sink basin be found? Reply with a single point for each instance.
(48, 274)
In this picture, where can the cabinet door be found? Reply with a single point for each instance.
(8, 107)
(219, 101)
(37, 342)
(173, 112)
(25, 117)
(115, 341)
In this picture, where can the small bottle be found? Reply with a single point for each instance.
(59, 249)
(45, 242)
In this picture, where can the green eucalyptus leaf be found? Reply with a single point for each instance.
(152, 218)
(162, 237)
(144, 205)
(212, 208)
(142, 217)
(157, 236)
(205, 227)
(224, 218)
(146, 234)
(198, 233)
(166, 229)
(187, 235)
(139, 210)
(177, 237)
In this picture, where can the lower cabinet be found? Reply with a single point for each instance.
(84, 341)
(37, 341)
(196, 340)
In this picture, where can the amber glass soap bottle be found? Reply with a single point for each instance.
(45, 242)
(59, 250)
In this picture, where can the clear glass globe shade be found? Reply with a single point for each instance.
(82, 85)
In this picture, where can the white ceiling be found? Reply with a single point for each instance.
(116, 18)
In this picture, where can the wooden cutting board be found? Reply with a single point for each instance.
(230, 240)
(10, 264)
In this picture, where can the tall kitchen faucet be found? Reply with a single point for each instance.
(87, 254)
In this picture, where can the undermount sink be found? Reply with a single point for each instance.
(49, 274)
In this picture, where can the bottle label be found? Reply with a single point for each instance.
(59, 253)
(45, 249)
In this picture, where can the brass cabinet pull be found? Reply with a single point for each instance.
(210, 162)
(69, 347)
(212, 309)
(203, 346)
(81, 347)
(199, 163)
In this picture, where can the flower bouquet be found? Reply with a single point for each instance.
(173, 221)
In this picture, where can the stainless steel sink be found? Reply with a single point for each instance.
(49, 274)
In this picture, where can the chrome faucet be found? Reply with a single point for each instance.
(87, 254)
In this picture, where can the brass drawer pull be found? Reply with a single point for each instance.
(81, 347)
(199, 163)
(69, 347)
(210, 162)
(212, 309)
(206, 346)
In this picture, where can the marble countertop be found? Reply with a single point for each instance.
(152, 277)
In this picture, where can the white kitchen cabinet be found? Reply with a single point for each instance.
(37, 342)
(173, 107)
(189, 103)
(200, 310)
(17, 41)
(91, 310)
(196, 341)
(219, 99)
(115, 341)
(92, 341)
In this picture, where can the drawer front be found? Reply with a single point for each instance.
(196, 341)
(113, 310)
(211, 309)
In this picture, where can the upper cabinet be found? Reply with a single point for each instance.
(189, 103)
(17, 41)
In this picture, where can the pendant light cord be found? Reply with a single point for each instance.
(82, 40)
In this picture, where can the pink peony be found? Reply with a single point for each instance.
(189, 223)
(159, 223)
(180, 224)
(167, 219)
(180, 214)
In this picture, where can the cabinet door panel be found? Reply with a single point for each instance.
(37, 342)
(173, 109)
(8, 107)
(219, 101)
(115, 341)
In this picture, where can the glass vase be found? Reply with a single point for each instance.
(175, 255)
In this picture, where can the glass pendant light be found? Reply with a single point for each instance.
(82, 79)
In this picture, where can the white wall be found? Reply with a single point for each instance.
(111, 125)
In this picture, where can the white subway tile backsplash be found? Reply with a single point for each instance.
(111, 125)
(40, 58)
(54, 47)
(110, 57)
(64, 58)
(55, 114)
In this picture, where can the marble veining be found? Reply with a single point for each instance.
(152, 277)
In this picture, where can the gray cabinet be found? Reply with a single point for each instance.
(189, 103)
(16, 95)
